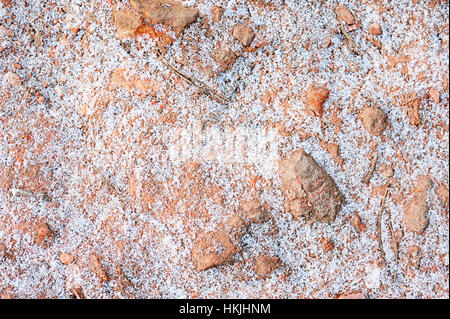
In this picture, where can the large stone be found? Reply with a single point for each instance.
(374, 120)
(126, 22)
(310, 191)
(243, 34)
(167, 12)
(216, 247)
(265, 265)
(416, 219)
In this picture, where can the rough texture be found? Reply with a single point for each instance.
(91, 127)
(345, 14)
(167, 12)
(374, 120)
(416, 219)
(265, 265)
(375, 28)
(243, 34)
(225, 58)
(310, 191)
(254, 211)
(217, 13)
(315, 98)
(126, 22)
(215, 247)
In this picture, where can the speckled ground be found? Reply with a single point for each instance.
(93, 146)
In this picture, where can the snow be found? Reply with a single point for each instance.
(125, 134)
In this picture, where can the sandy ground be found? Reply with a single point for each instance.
(120, 179)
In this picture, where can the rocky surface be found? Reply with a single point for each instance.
(151, 149)
(217, 247)
(374, 119)
(310, 191)
(243, 34)
(167, 12)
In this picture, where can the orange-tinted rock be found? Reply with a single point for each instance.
(96, 267)
(357, 223)
(315, 98)
(310, 192)
(345, 14)
(217, 13)
(126, 22)
(333, 149)
(413, 108)
(265, 265)
(216, 247)
(243, 34)
(254, 211)
(167, 12)
(43, 232)
(66, 258)
(225, 58)
(375, 28)
(6, 3)
(374, 120)
(435, 95)
(415, 218)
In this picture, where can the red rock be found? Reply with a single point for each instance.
(254, 211)
(375, 28)
(225, 58)
(126, 22)
(315, 98)
(43, 232)
(66, 258)
(415, 218)
(357, 223)
(374, 120)
(6, 3)
(413, 108)
(214, 248)
(74, 30)
(96, 267)
(243, 34)
(167, 12)
(217, 13)
(309, 190)
(345, 14)
(265, 265)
